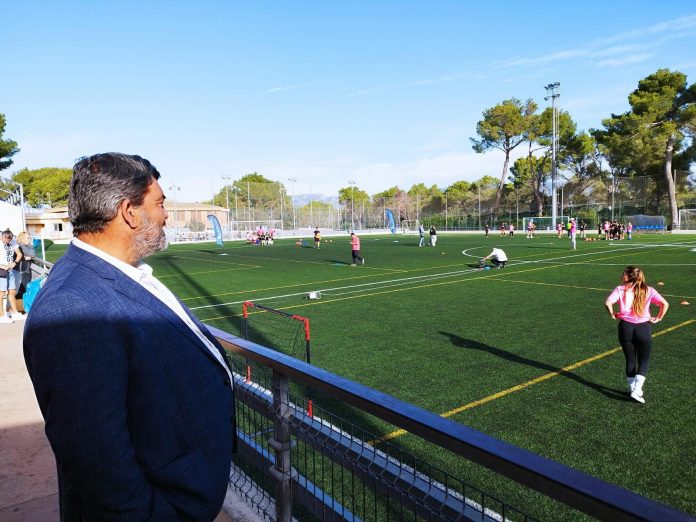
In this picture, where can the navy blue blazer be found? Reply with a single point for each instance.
(139, 413)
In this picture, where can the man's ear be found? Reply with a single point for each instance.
(129, 213)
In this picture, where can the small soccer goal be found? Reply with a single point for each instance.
(278, 330)
(409, 226)
(544, 223)
(687, 219)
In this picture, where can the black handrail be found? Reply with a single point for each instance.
(583, 492)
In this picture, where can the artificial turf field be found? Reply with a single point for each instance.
(426, 326)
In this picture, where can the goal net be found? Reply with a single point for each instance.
(409, 226)
(687, 219)
(278, 330)
(543, 223)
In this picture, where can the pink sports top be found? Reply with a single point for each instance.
(624, 295)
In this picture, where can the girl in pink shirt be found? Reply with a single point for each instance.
(635, 332)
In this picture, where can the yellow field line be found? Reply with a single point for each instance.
(545, 377)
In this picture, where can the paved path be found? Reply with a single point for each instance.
(28, 485)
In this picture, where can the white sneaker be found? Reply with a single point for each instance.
(363, 261)
(636, 396)
(18, 317)
(6, 320)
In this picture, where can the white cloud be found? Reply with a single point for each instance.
(288, 88)
(625, 60)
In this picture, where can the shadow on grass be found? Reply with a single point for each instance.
(470, 344)
(337, 262)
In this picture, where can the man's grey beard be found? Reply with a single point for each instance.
(148, 240)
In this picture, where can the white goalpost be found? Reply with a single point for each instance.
(409, 226)
(687, 219)
(544, 223)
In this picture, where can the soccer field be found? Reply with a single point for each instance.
(527, 353)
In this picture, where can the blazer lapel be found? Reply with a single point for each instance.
(142, 297)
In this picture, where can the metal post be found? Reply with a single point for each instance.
(282, 443)
(479, 197)
(292, 201)
(249, 202)
(552, 92)
(613, 189)
(352, 220)
(227, 198)
(173, 189)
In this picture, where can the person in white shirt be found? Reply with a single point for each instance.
(497, 257)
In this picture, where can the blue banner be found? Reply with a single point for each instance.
(217, 228)
(392, 223)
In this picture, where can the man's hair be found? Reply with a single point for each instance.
(7, 233)
(99, 185)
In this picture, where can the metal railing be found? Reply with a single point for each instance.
(321, 467)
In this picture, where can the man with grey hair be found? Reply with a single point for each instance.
(135, 391)
(10, 277)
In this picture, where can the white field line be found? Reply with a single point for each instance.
(377, 285)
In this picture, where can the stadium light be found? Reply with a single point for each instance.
(352, 188)
(173, 190)
(552, 92)
(227, 201)
(292, 201)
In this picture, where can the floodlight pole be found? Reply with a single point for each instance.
(352, 221)
(479, 198)
(552, 92)
(173, 190)
(292, 201)
(227, 200)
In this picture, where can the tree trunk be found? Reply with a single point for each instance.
(669, 183)
(499, 193)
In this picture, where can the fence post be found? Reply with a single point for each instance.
(282, 443)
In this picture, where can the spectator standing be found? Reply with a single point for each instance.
(135, 391)
(10, 259)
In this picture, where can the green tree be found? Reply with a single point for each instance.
(656, 133)
(44, 185)
(665, 109)
(8, 148)
(353, 194)
(503, 127)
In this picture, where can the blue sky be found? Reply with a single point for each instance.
(382, 93)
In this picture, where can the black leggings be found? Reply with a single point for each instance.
(636, 342)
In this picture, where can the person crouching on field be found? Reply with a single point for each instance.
(497, 257)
